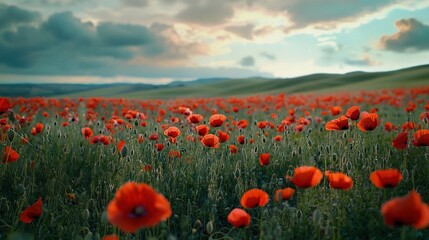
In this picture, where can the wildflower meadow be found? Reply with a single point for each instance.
(350, 165)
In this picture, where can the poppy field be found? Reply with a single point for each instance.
(350, 165)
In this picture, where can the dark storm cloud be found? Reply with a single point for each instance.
(11, 16)
(412, 36)
(247, 61)
(65, 45)
(63, 38)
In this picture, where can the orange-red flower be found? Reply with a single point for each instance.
(9, 155)
(353, 113)
(368, 122)
(336, 110)
(87, 132)
(32, 212)
(386, 178)
(137, 205)
(242, 123)
(216, 120)
(4, 105)
(239, 218)
(277, 138)
(172, 132)
(174, 153)
(100, 138)
(241, 139)
(210, 140)
(159, 147)
(401, 141)
(254, 198)
(408, 210)
(153, 137)
(110, 237)
(223, 136)
(306, 177)
(264, 159)
(233, 149)
(39, 127)
(285, 194)
(121, 146)
(339, 180)
(388, 127)
(195, 118)
(341, 123)
(202, 130)
(421, 138)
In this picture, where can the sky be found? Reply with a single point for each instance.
(157, 41)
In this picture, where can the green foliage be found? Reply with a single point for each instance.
(204, 185)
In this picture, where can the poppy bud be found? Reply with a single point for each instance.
(209, 227)
(85, 214)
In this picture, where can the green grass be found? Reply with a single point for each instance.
(204, 185)
(316, 83)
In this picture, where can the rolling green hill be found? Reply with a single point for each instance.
(317, 83)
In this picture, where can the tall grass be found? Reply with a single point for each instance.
(205, 184)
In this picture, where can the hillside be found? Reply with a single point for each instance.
(410, 77)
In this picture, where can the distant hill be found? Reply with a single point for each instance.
(213, 87)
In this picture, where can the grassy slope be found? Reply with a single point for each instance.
(416, 76)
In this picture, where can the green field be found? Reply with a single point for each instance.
(202, 184)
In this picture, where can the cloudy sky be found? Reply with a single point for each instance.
(156, 41)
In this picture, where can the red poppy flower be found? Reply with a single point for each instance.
(195, 118)
(216, 120)
(386, 178)
(32, 212)
(137, 205)
(285, 194)
(341, 123)
(241, 139)
(233, 149)
(110, 237)
(223, 136)
(339, 180)
(408, 210)
(388, 127)
(4, 105)
(264, 159)
(242, 123)
(9, 155)
(39, 127)
(174, 153)
(87, 132)
(140, 138)
(121, 145)
(153, 137)
(353, 113)
(421, 138)
(336, 110)
(306, 177)
(172, 132)
(239, 218)
(368, 122)
(278, 138)
(401, 141)
(159, 147)
(100, 138)
(202, 130)
(210, 140)
(253, 198)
